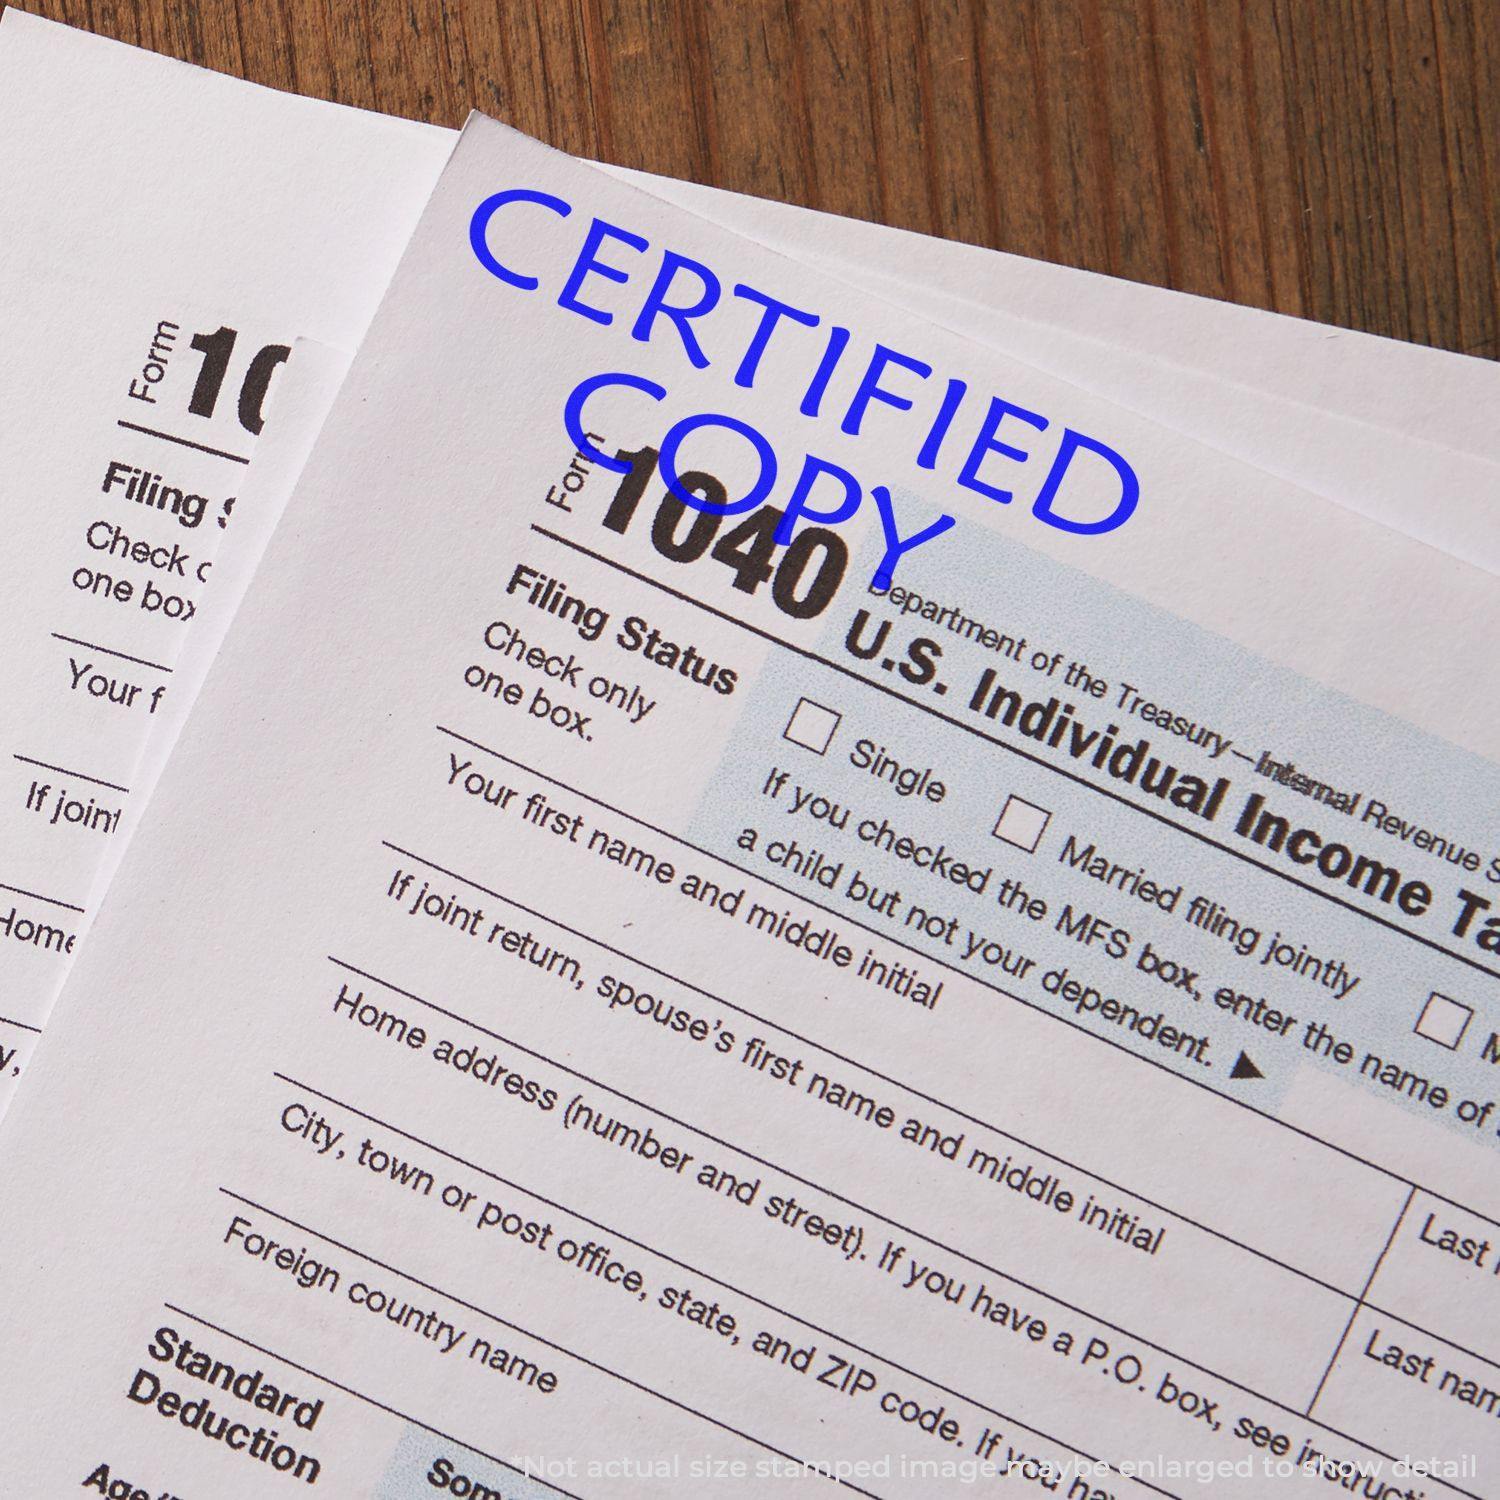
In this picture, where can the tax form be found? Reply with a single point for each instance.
(684, 1013)
(240, 228)
(167, 235)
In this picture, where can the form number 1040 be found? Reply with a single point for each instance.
(804, 574)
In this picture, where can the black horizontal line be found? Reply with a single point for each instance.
(872, 1213)
(952, 968)
(38, 896)
(10, 1021)
(169, 437)
(772, 1166)
(47, 765)
(140, 661)
(681, 1265)
(546, 1343)
(852, 1062)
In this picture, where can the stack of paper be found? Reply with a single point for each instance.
(721, 849)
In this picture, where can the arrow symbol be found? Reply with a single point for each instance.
(1244, 1068)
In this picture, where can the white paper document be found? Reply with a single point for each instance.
(611, 1000)
(167, 234)
(239, 218)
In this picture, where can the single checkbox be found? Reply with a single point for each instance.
(1022, 823)
(1444, 1021)
(811, 726)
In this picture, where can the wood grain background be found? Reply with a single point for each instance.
(1336, 159)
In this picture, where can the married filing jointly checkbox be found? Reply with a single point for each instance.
(1444, 1021)
(811, 726)
(1022, 823)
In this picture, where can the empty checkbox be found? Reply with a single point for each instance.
(811, 726)
(1022, 823)
(1443, 1021)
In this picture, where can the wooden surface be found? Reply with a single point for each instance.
(1336, 159)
